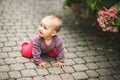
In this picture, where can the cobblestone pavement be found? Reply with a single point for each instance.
(19, 19)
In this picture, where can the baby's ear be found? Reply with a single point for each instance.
(54, 33)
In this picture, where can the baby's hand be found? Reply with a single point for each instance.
(60, 64)
(42, 64)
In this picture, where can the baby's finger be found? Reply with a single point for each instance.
(41, 66)
(62, 65)
(56, 64)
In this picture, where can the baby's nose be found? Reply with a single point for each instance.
(40, 28)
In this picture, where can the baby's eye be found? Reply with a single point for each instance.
(41, 25)
(45, 28)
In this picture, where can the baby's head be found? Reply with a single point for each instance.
(53, 22)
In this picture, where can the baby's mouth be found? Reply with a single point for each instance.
(40, 32)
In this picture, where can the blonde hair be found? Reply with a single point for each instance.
(55, 21)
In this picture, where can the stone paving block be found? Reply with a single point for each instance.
(14, 74)
(107, 78)
(55, 70)
(17, 66)
(66, 77)
(80, 75)
(11, 32)
(68, 69)
(79, 48)
(28, 73)
(69, 39)
(6, 49)
(117, 62)
(4, 75)
(69, 62)
(39, 78)
(104, 64)
(79, 60)
(113, 63)
(70, 45)
(42, 72)
(80, 67)
(112, 56)
(81, 54)
(3, 55)
(2, 62)
(4, 68)
(91, 53)
(65, 32)
(30, 65)
(1, 45)
(93, 79)
(92, 73)
(3, 39)
(2, 35)
(53, 77)
(117, 77)
(101, 58)
(22, 60)
(20, 42)
(115, 70)
(19, 34)
(92, 66)
(49, 64)
(27, 78)
(9, 60)
(11, 79)
(16, 48)
(15, 54)
(65, 50)
(10, 43)
(91, 59)
(14, 39)
(104, 72)
(70, 55)
(71, 49)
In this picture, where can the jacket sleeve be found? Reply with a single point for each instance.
(60, 50)
(36, 51)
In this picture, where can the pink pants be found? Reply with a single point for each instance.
(27, 50)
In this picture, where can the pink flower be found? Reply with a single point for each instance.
(113, 9)
(106, 19)
(110, 28)
(101, 12)
(113, 15)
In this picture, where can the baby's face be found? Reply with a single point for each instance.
(46, 29)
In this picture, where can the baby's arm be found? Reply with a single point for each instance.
(36, 51)
(60, 52)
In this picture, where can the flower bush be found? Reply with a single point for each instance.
(106, 19)
(107, 12)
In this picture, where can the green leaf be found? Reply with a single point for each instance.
(83, 44)
(93, 4)
(118, 6)
(69, 2)
(117, 22)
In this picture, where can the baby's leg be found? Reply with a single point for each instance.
(52, 53)
(27, 49)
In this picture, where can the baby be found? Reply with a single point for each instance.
(45, 41)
